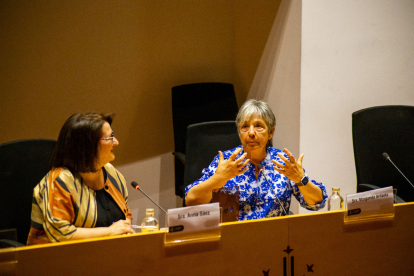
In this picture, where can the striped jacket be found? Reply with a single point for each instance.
(61, 203)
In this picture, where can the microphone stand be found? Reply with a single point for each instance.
(387, 157)
(136, 187)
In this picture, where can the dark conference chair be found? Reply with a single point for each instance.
(197, 103)
(204, 140)
(380, 129)
(23, 164)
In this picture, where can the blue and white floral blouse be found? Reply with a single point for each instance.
(256, 198)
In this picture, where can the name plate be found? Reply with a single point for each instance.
(194, 218)
(370, 205)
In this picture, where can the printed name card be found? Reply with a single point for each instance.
(194, 218)
(373, 204)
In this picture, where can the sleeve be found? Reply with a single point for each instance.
(37, 234)
(118, 190)
(298, 195)
(206, 174)
(128, 214)
(59, 211)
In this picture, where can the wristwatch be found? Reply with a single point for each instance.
(303, 181)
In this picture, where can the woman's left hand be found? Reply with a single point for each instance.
(120, 227)
(292, 169)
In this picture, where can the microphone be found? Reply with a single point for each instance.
(136, 187)
(387, 157)
(261, 170)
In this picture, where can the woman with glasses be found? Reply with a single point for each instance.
(83, 196)
(246, 167)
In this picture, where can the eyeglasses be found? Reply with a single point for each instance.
(109, 138)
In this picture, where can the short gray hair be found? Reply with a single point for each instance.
(255, 107)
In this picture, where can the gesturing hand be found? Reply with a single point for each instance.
(292, 169)
(227, 169)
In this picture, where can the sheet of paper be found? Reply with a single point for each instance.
(379, 202)
(194, 218)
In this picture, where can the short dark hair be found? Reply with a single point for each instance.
(77, 145)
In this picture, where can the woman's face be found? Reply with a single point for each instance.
(254, 134)
(106, 147)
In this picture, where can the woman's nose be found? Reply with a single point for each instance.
(116, 142)
(251, 131)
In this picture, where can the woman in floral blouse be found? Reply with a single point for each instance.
(239, 167)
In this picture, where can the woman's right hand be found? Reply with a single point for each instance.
(121, 227)
(227, 169)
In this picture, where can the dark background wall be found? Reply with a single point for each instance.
(62, 57)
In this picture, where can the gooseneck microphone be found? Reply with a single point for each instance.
(261, 170)
(136, 187)
(387, 157)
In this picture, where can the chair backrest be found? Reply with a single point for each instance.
(198, 103)
(204, 140)
(380, 129)
(23, 164)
